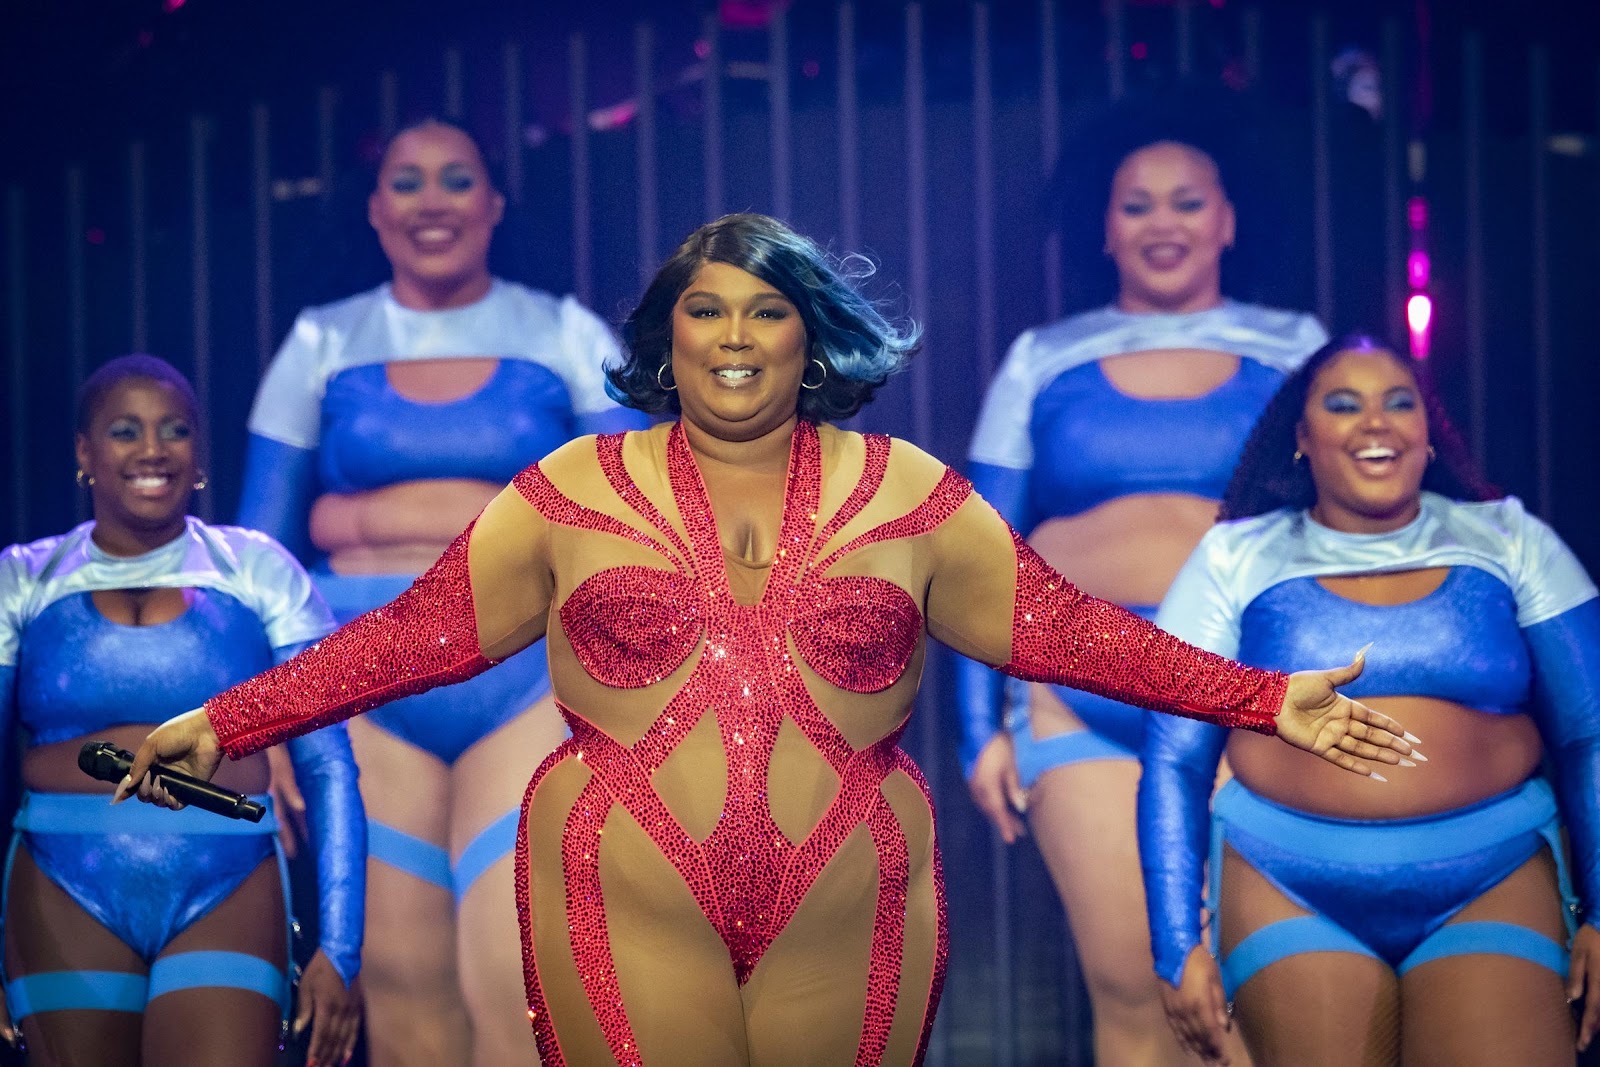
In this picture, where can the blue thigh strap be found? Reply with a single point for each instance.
(431, 863)
(1282, 939)
(497, 839)
(67, 990)
(217, 970)
(1489, 938)
(400, 850)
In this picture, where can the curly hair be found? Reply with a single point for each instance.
(1268, 477)
(144, 368)
(855, 343)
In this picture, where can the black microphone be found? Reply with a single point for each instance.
(107, 762)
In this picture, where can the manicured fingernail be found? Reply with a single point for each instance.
(1419, 757)
(1378, 777)
(1406, 763)
(1362, 653)
(1413, 738)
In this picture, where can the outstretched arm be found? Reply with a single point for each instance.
(991, 597)
(486, 598)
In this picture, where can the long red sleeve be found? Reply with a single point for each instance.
(1062, 635)
(425, 637)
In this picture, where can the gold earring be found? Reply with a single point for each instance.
(1299, 455)
(1433, 454)
(83, 480)
(823, 367)
(200, 482)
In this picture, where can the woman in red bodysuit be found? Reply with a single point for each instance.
(731, 861)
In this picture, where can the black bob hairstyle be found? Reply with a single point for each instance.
(1268, 476)
(858, 347)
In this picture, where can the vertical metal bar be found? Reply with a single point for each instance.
(1321, 171)
(388, 104)
(983, 189)
(649, 229)
(511, 70)
(1543, 367)
(77, 281)
(200, 260)
(1477, 338)
(582, 234)
(1394, 228)
(849, 145)
(453, 94)
(327, 114)
(1116, 48)
(1183, 32)
(1250, 27)
(261, 196)
(16, 346)
(917, 217)
(138, 250)
(712, 106)
(1050, 148)
(778, 87)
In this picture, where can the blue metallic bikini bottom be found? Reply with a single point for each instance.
(1386, 888)
(446, 721)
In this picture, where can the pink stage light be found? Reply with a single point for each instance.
(1419, 317)
(1418, 269)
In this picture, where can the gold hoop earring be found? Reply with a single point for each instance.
(1299, 455)
(666, 368)
(820, 381)
(83, 480)
(1433, 453)
(201, 482)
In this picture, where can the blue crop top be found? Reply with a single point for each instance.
(1460, 643)
(78, 672)
(373, 436)
(1095, 443)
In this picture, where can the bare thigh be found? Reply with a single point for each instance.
(219, 1025)
(409, 976)
(1490, 1009)
(676, 993)
(46, 930)
(1317, 1008)
(487, 782)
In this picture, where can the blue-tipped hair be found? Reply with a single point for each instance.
(859, 347)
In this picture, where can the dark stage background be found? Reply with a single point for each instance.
(181, 176)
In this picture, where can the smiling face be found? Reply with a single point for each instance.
(1166, 226)
(738, 354)
(1365, 433)
(435, 211)
(140, 450)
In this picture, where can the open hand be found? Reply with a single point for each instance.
(184, 743)
(996, 789)
(1583, 982)
(1321, 720)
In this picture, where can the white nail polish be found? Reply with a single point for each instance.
(1419, 757)
(1406, 763)
(1412, 738)
(1378, 777)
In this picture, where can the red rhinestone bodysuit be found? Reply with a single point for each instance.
(632, 626)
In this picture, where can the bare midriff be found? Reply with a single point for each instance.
(402, 528)
(1128, 549)
(53, 768)
(1472, 754)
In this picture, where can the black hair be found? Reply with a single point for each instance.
(1269, 477)
(144, 368)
